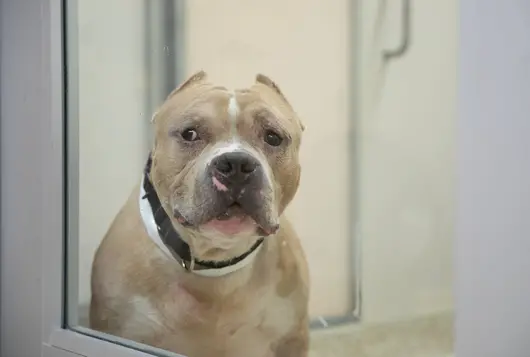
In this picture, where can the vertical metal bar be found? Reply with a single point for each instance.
(71, 119)
(179, 42)
(354, 314)
(164, 52)
(1, 208)
(354, 111)
(170, 52)
(153, 59)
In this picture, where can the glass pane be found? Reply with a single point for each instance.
(246, 214)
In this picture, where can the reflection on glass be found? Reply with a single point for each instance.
(179, 200)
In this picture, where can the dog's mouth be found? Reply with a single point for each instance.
(232, 221)
(234, 211)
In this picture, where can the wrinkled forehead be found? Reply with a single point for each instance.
(222, 107)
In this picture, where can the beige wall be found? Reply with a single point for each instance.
(306, 52)
(406, 162)
(404, 132)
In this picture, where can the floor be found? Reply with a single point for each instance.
(426, 337)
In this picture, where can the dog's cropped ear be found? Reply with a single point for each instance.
(194, 78)
(263, 79)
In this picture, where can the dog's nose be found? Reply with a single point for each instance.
(236, 166)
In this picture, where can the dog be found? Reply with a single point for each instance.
(201, 260)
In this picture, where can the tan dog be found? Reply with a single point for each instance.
(200, 260)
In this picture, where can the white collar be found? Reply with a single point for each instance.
(152, 230)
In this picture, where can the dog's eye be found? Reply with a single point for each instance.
(190, 135)
(272, 138)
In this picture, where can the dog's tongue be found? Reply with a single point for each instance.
(230, 225)
(233, 221)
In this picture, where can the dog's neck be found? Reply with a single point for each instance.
(161, 230)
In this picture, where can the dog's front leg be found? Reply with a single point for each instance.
(295, 344)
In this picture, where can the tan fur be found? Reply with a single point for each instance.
(263, 79)
(141, 294)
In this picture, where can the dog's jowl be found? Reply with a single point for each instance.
(200, 260)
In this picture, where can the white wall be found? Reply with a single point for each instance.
(493, 228)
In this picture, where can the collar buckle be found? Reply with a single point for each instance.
(188, 266)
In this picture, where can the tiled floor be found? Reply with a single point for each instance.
(425, 337)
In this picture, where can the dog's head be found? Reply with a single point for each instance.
(226, 162)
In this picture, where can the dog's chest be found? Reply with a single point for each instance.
(246, 327)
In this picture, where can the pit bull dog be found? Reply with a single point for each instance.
(201, 260)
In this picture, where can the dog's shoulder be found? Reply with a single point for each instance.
(124, 233)
(124, 252)
(291, 262)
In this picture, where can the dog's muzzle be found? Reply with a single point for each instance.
(234, 171)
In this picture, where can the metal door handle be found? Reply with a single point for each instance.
(400, 50)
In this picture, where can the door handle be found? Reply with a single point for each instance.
(401, 49)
